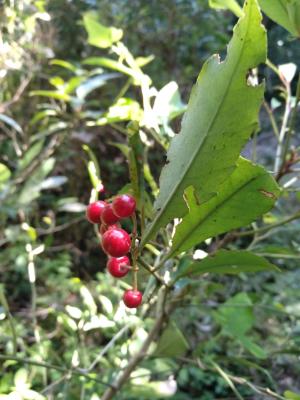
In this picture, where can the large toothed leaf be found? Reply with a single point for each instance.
(285, 12)
(247, 194)
(221, 115)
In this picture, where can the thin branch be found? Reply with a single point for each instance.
(139, 356)
(51, 366)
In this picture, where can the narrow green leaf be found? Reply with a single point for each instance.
(284, 12)
(11, 122)
(4, 173)
(231, 5)
(291, 395)
(111, 64)
(247, 194)
(228, 262)
(52, 94)
(221, 115)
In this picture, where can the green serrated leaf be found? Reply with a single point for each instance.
(221, 115)
(228, 262)
(284, 12)
(247, 194)
(172, 343)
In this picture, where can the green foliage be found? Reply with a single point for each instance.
(80, 109)
(284, 12)
(210, 124)
(248, 193)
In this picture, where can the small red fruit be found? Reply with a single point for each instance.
(94, 211)
(103, 228)
(116, 242)
(118, 267)
(108, 217)
(124, 205)
(132, 298)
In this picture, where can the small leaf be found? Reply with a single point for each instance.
(236, 315)
(4, 173)
(172, 343)
(11, 122)
(52, 94)
(291, 395)
(228, 262)
(93, 83)
(252, 347)
(231, 5)
(98, 34)
(247, 194)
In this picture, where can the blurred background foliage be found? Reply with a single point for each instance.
(65, 106)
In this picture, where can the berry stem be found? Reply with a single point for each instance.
(134, 253)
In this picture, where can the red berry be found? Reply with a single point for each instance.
(116, 242)
(118, 267)
(108, 217)
(94, 211)
(124, 205)
(103, 228)
(132, 298)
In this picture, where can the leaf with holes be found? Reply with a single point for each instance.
(221, 115)
(247, 194)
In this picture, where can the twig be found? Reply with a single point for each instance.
(283, 130)
(55, 367)
(4, 106)
(138, 357)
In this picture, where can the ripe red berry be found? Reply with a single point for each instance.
(132, 298)
(103, 228)
(116, 242)
(118, 267)
(94, 211)
(108, 217)
(124, 205)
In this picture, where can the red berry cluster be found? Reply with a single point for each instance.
(116, 241)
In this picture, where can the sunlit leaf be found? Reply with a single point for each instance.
(98, 34)
(247, 194)
(231, 5)
(284, 12)
(221, 115)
